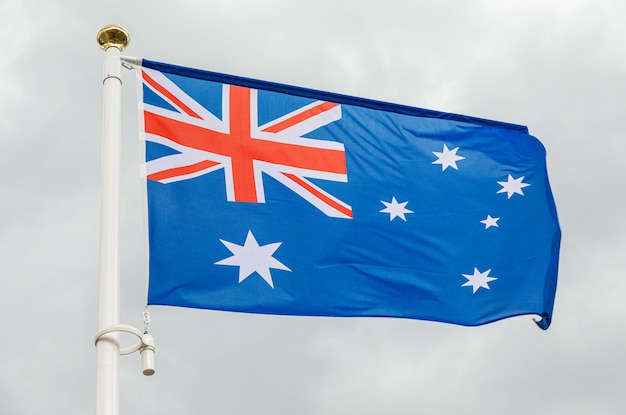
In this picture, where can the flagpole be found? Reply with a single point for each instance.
(112, 39)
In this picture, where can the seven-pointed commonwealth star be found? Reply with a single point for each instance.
(395, 209)
(447, 158)
(489, 222)
(478, 280)
(513, 186)
(251, 258)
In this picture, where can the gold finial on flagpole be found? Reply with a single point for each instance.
(113, 35)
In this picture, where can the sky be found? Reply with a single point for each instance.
(558, 67)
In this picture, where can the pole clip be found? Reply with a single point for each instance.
(145, 345)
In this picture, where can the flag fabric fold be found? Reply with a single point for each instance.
(275, 199)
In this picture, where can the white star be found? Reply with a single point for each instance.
(478, 280)
(447, 158)
(251, 258)
(395, 209)
(513, 186)
(489, 222)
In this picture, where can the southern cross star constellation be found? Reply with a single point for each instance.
(448, 158)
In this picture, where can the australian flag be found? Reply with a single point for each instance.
(275, 199)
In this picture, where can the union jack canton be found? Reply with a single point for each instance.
(241, 147)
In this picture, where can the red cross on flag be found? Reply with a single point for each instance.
(242, 147)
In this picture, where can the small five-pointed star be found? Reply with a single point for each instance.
(251, 258)
(395, 209)
(447, 158)
(478, 280)
(512, 186)
(489, 222)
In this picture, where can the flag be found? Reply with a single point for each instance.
(275, 199)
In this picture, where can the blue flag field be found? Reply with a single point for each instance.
(275, 199)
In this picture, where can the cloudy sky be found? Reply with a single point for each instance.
(558, 67)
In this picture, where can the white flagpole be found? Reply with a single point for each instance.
(112, 39)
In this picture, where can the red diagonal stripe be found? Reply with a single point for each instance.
(330, 202)
(298, 118)
(181, 171)
(154, 84)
